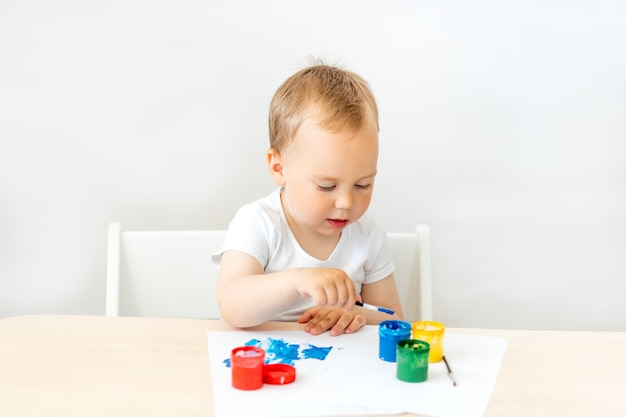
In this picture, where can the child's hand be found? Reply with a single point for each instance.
(327, 287)
(320, 319)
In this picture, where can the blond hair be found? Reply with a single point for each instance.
(338, 98)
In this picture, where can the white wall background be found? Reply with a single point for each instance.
(502, 126)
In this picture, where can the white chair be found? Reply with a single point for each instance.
(170, 273)
(411, 254)
(162, 273)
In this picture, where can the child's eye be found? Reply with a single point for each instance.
(362, 186)
(325, 187)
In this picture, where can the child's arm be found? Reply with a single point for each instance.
(247, 296)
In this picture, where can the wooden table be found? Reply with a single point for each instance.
(120, 366)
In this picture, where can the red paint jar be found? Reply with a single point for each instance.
(246, 363)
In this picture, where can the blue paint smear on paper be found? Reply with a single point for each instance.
(278, 350)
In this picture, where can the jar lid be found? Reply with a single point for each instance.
(432, 327)
(279, 374)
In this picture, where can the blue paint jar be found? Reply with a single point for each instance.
(390, 332)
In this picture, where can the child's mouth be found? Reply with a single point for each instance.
(336, 223)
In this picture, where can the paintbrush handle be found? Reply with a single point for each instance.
(450, 373)
(375, 308)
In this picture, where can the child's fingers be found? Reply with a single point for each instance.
(309, 314)
(358, 322)
(328, 287)
(342, 294)
(324, 320)
(349, 322)
(349, 296)
(331, 293)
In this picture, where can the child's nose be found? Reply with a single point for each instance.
(344, 200)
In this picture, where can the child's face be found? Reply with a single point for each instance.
(328, 177)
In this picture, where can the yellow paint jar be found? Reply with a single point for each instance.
(433, 333)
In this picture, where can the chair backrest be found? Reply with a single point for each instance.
(162, 273)
(170, 273)
(411, 254)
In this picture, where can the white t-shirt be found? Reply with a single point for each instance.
(260, 229)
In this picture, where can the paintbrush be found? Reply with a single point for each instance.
(375, 308)
(450, 374)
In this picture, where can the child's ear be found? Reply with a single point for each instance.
(275, 165)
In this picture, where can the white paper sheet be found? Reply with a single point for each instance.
(352, 380)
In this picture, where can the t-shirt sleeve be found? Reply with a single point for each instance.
(380, 263)
(248, 232)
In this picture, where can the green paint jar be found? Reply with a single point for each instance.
(412, 360)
